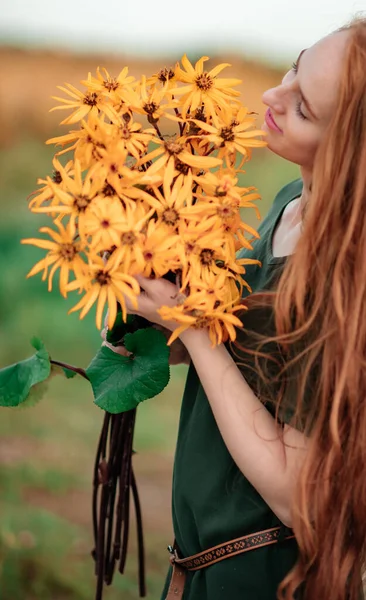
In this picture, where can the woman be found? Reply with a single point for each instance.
(273, 433)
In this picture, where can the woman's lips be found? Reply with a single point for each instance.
(271, 122)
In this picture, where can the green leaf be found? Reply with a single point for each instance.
(68, 373)
(121, 328)
(17, 380)
(120, 383)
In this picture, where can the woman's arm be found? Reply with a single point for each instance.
(248, 429)
(179, 354)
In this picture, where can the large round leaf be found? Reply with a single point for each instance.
(120, 383)
(17, 381)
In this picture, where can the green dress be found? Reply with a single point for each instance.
(212, 500)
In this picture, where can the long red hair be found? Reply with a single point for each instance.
(320, 306)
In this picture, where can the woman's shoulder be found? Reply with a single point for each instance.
(288, 192)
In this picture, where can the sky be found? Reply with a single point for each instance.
(272, 29)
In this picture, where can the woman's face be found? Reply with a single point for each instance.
(300, 108)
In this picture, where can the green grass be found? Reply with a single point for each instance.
(47, 451)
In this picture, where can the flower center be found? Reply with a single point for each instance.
(225, 212)
(189, 247)
(206, 256)
(202, 322)
(57, 177)
(105, 223)
(108, 190)
(148, 255)
(165, 74)
(170, 216)
(103, 278)
(173, 147)
(128, 238)
(81, 202)
(150, 107)
(204, 82)
(181, 166)
(68, 251)
(125, 133)
(111, 85)
(227, 134)
(90, 98)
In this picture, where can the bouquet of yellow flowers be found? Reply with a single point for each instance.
(136, 198)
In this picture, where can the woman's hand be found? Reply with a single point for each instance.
(155, 293)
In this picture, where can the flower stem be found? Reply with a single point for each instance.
(158, 131)
(77, 370)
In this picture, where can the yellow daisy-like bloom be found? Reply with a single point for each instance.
(64, 254)
(129, 253)
(87, 141)
(160, 251)
(132, 139)
(223, 185)
(175, 196)
(107, 85)
(204, 87)
(46, 192)
(104, 223)
(220, 212)
(148, 101)
(233, 135)
(83, 104)
(176, 152)
(220, 324)
(166, 77)
(75, 195)
(128, 183)
(222, 289)
(104, 283)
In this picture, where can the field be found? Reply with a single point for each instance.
(47, 451)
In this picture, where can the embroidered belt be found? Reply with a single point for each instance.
(217, 553)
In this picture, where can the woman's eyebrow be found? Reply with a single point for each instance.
(305, 101)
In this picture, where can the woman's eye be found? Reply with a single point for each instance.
(299, 111)
(294, 67)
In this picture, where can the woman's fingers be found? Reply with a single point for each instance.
(117, 349)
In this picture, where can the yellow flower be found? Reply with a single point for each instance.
(223, 185)
(160, 250)
(131, 138)
(221, 213)
(148, 101)
(130, 254)
(232, 135)
(105, 284)
(176, 152)
(104, 222)
(83, 104)
(109, 86)
(165, 76)
(75, 195)
(46, 193)
(93, 134)
(203, 87)
(64, 253)
(128, 183)
(175, 196)
(220, 324)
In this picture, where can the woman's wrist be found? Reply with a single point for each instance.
(192, 337)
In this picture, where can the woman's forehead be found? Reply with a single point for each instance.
(320, 70)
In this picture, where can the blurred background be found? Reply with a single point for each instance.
(47, 452)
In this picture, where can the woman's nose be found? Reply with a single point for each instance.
(275, 99)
